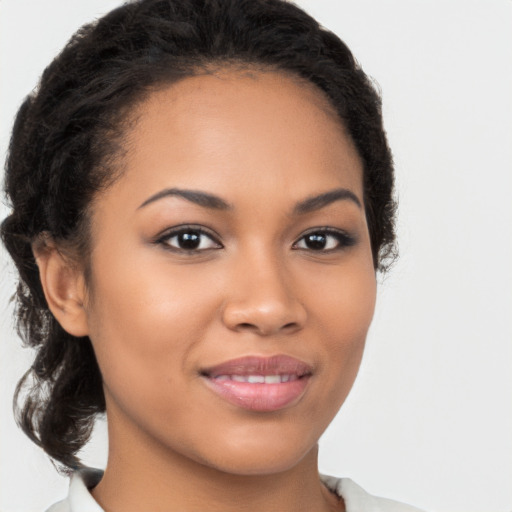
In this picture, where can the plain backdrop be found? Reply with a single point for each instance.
(429, 420)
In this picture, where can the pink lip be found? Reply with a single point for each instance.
(259, 396)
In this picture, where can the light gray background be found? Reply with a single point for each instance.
(429, 420)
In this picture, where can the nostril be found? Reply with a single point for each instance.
(246, 325)
(264, 317)
(249, 326)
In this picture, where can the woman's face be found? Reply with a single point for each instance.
(232, 278)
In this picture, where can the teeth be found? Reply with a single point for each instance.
(258, 379)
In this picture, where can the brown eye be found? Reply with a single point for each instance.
(317, 241)
(324, 240)
(189, 239)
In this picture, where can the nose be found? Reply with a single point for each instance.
(262, 300)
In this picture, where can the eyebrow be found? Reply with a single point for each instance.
(211, 201)
(194, 196)
(320, 201)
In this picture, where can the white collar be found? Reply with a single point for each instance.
(356, 498)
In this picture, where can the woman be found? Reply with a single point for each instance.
(201, 196)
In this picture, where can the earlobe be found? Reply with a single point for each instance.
(64, 288)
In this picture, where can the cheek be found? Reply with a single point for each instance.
(344, 301)
(343, 315)
(144, 318)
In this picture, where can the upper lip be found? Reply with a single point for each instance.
(257, 365)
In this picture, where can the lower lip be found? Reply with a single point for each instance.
(258, 396)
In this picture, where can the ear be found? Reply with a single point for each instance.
(64, 287)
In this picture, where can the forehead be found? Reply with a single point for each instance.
(233, 131)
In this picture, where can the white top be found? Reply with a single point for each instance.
(356, 499)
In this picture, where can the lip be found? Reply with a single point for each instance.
(259, 396)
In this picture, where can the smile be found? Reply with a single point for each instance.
(259, 379)
(259, 383)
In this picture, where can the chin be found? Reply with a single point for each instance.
(259, 456)
(257, 465)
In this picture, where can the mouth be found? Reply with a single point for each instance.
(261, 384)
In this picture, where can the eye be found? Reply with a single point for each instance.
(189, 239)
(324, 239)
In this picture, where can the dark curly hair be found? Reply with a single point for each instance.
(68, 132)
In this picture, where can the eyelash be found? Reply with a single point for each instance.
(343, 239)
(182, 230)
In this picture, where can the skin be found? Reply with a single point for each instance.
(156, 314)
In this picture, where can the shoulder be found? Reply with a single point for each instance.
(61, 506)
(79, 498)
(358, 500)
(355, 497)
